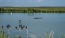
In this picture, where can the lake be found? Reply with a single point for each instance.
(39, 24)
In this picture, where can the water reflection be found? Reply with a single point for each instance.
(30, 14)
(5, 13)
(1, 13)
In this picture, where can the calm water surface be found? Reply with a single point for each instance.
(37, 27)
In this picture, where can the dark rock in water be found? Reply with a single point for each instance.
(37, 18)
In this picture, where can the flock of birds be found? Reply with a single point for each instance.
(23, 27)
(20, 27)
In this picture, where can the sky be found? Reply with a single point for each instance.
(33, 3)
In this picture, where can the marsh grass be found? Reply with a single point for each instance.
(32, 9)
(2, 34)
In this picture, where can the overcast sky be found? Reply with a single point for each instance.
(20, 3)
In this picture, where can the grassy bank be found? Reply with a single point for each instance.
(32, 9)
(2, 34)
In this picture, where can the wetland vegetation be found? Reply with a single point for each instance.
(32, 9)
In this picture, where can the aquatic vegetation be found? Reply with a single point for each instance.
(47, 35)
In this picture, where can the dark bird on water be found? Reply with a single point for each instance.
(20, 37)
(8, 26)
(16, 27)
(2, 27)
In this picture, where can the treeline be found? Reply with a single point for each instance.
(32, 10)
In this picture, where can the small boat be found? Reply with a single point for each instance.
(37, 18)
